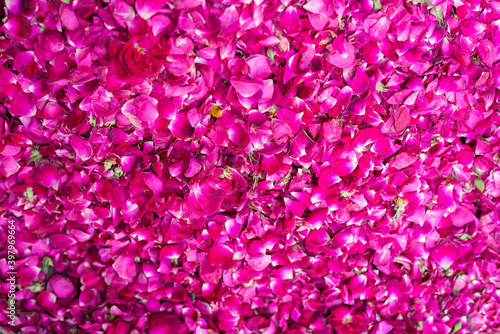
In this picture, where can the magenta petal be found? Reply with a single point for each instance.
(402, 119)
(220, 256)
(444, 254)
(82, 147)
(154, 183)
(21, 62)
(344, 97)
(471, 28)
(161, 323)
(259, 262)
(357, 283)
(52, 110)
(47, 175)
(148, 8)
(357, 106)
(486, 51)
(315, 6)
(61, 285)
(343, 167)
(365, 137)
(210, 274)
(69, 18)
(19, 26)
(260, 67)
(238, 135)
(87, 297)
(270, 164)
(462, 216)
(180, 126)
(23, 104)
(204, 199)
(145, 108)
(192, 166)
(317, 238)
(247, 87)
(128, 163)
(317, 218)
(382, 146)
(382, 328)
(332, 130)
(404, 160)
(377, 26)
(295, 207)
(13, 6)
(118, 136)
(6, 76)
(27, 275)
(290, 20)
(61, 241)
(327, 178)
(10, 166)
(124, 266)
(343, 53)
(371, 52)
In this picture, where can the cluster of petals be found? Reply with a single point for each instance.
(251, 166)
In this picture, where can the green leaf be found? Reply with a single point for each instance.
(478, 172)
(438, 13)
(66, 1)
(453, 175)
(457, 326)
(377, 5)
(270, 55)
(118, 171)
(381, 87)
(478, 182)
(28, 194)
(35, 156)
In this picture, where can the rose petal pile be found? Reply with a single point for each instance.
(266, 166)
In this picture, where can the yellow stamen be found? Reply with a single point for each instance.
(215, 111)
